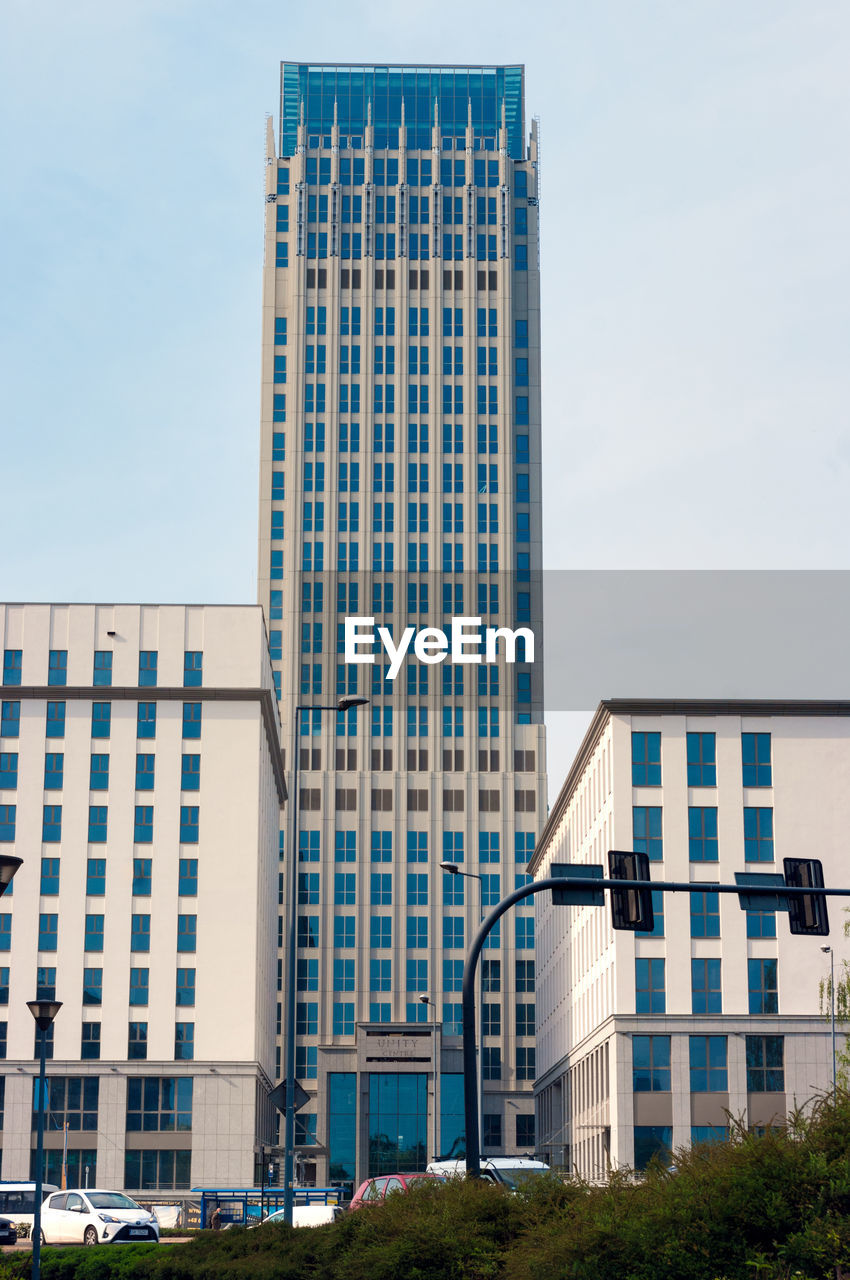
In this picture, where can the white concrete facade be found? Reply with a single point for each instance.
(600, 1103)
(141, 826)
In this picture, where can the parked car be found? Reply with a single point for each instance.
(374, 1190)
(513, 1171)
(95, 1217)
(305, 1215)
(8, 1231)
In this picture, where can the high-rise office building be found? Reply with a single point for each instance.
(400, 482)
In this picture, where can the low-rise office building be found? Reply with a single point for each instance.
(647, 1042)
(141, 783)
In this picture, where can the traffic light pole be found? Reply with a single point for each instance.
(589, 888)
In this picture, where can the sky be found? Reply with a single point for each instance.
(696, 279)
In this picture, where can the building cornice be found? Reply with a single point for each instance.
(668, 707)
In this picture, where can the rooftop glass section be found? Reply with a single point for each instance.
(353, 87)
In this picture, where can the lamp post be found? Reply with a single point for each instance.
(454, 870)
(831, 953)
(44, 1011)
(343, 705)
(428, 1002)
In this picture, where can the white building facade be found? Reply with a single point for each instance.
(647, 1042)
(141, 783)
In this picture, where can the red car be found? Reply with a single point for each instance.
(374, 1190)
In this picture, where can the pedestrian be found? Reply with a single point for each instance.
(216, 1218)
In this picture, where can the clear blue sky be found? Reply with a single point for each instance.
(695, 257)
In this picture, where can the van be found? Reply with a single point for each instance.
(511, 1171)
(17, 1199)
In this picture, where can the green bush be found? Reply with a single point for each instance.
(754, 1208)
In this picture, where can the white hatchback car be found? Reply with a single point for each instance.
(95, 1217)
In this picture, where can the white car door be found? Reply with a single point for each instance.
(76, 1216)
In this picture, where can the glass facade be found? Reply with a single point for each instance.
(349, 94)
(398, 1107)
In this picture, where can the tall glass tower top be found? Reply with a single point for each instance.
(402, 97)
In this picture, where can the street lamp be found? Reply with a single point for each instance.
(829, 951)
(8, 866)
(44, 1011)
(427, 1001)
(454, 870)
(344, 704)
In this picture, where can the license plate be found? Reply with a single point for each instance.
(138, 1231)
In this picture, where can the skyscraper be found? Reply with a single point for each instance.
(400, 482)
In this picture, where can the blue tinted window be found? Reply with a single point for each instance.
(646, 759)
(11, 719)
(187, 927)
(706, 993)
(756, 760)
(191, 719)
(650, 994)
(702, 766)
(102, 674)
(139, 984)
(93, 933)
(9, 770)
(190, 773)
(148, 660)
(705, 915)
(141, 877)
(54, 770)
(187, 883)
(762, 986)
(146, 720)
(51, 827)
(143, 824)
(185, 991)
(95, 877)
(758, 835)
(140, 933)
(12, 666)
(57, 667)
(101, 719)
(55, 727)
(145, 772)
(702, 834)
(708, 1064)
(189, 824)
(646, 831)
(97, 823)
(49, 877)
(92, 986)
(99, 773)
(193, 670)
(48, 932)
(651, 1064)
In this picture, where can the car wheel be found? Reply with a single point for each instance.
(90, 1235)
(43, 1238)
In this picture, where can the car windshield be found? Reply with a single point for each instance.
(424, 1179)
(112, 1200)
(514, 1178)
(278, 1216)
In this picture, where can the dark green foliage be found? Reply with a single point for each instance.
(769, 1208)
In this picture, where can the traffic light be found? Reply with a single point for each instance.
(806, 912)
(630, 908)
